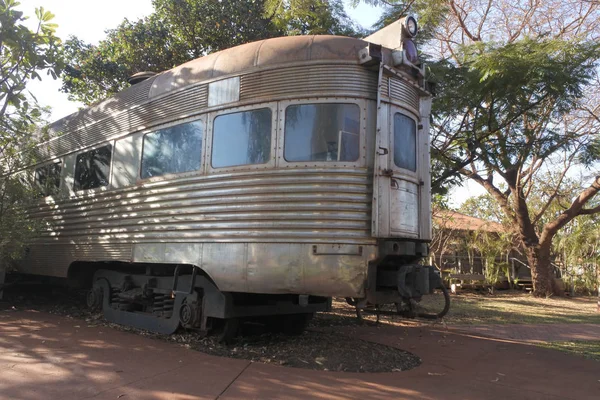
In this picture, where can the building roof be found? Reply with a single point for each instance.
(453, 220)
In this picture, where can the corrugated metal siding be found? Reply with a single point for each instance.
(309, 80)
(53, 259)
(400, 90)
(309, 206)
(182, 104)
(96, 125)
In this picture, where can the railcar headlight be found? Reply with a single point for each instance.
(411, 26)
(410, 51)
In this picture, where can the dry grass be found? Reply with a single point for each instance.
(469, 308)
(521, 308)
(587, 349)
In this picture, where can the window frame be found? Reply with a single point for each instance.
(110, 168)
(399, 110)
(274, 134)
(362, 156)
(61, 184)
(197, 118)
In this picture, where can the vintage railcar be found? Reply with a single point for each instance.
(259, 180)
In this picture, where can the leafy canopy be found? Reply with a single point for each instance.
(24, 55)
(182, 30)
(511, 101)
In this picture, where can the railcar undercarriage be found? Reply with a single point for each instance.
(404, 286)
(163, 298)
(396, 279)
(162, 303)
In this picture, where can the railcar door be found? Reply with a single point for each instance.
(398, 177)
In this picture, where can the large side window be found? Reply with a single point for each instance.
(322, 132)
(172, 150)
(92, 168)
(242, 138)
(405, 142)
(47, 178)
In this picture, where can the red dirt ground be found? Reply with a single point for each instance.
(43, 356)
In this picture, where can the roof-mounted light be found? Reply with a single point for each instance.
(410, 25)
(410, 51)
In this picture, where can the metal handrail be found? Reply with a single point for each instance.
(513, 259)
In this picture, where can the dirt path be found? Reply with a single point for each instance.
(534, 333)
(43, 356)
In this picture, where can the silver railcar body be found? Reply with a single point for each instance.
(298, 227)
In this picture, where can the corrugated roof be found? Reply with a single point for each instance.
(453, 220)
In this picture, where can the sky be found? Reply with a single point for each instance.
(88, 20)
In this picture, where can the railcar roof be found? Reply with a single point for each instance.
(236, 60)
(256, 55)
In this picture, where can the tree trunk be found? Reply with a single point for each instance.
(598, 273)
(542, 273)
(2, 278)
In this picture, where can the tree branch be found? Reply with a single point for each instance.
(574, 210)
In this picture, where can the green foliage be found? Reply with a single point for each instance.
(206, 26)
(512, 98)
(430, 13)
(578, 247)
(311, 17)
(182, 30)
(493, 248)
(96, 71)
(484, 207)
(24, 55)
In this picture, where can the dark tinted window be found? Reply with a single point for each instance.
(92, 168)
(48, 179)
(322, 132)
(172, 150)
(405, 142)
(242, 138)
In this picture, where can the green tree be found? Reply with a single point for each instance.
(182, 30)
(578, 246)
(24, 55)
(483, 206)
(517, 104)
(517, 95)
(311, 17)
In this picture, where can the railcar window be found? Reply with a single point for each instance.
(322, 132)
(47, 178)
(405, 142)
(242, 138)
(172, 150)
(92, 168)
